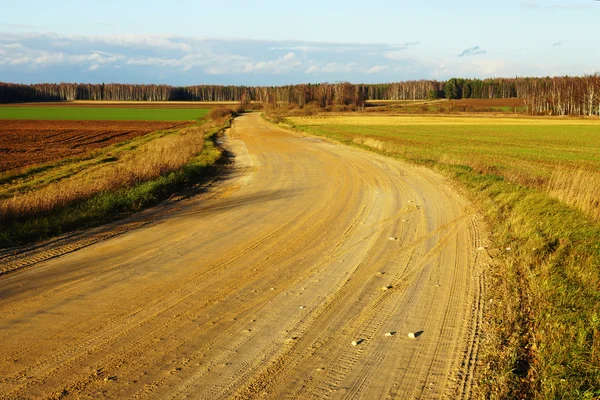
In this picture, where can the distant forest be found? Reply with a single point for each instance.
(552, 96)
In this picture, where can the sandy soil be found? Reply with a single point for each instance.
(259, 287)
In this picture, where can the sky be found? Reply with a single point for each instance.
(265, 42)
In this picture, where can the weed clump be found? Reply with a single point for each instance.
(220, 113)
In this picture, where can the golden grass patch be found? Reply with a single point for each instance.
(396, 120)
(156, 158)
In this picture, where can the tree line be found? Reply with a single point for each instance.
(553, 96)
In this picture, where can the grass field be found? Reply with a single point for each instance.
(128, 104)
(101, 113)
(539, 153)
(538, 183)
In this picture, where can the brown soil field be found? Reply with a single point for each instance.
(390, 102)
(27, 142)
(489, 102)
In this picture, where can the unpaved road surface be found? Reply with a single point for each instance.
(258, 289)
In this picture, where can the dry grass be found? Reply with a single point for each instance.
(114, 181)
(151, 160)
(577, 187)
(25, 143)
(558, 156)
(220, 113)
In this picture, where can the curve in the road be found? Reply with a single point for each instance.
(259, 288)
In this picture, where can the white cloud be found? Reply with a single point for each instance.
(219, 64)
(376, 69)
(60, 43)
(395, 55)
(211, 56)
(490, 67)
(155, 61)
(303, 48)
(139, 41)
(441, 70)
(37, 59)
(280, 65)
(96, 58)
(145, 58)
(289, 56)
(330, 68)
(12, 46)
(49, 59)
(17, 54)
(335, 67)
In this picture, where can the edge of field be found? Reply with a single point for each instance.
(106, 207)
(541, 330)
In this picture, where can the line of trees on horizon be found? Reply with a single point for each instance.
(554, 96)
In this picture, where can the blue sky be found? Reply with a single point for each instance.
(268, 42)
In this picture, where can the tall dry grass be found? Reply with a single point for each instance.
(152, 160)
(577, 187)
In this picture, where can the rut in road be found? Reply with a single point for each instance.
(258, 287)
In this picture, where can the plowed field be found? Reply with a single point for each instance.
(26, 142)
(489, 102)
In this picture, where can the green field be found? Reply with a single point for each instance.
(537, 181)
(526, 151)
(102, 113)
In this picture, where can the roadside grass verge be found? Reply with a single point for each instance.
(541, 334)
(129, 176)
(560, 157)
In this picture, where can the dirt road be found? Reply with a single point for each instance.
(259, 288)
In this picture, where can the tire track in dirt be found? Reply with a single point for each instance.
(257, 287)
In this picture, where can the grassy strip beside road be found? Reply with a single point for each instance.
(102, 113)
(119, 179)
(561, 157)
(542, 331)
